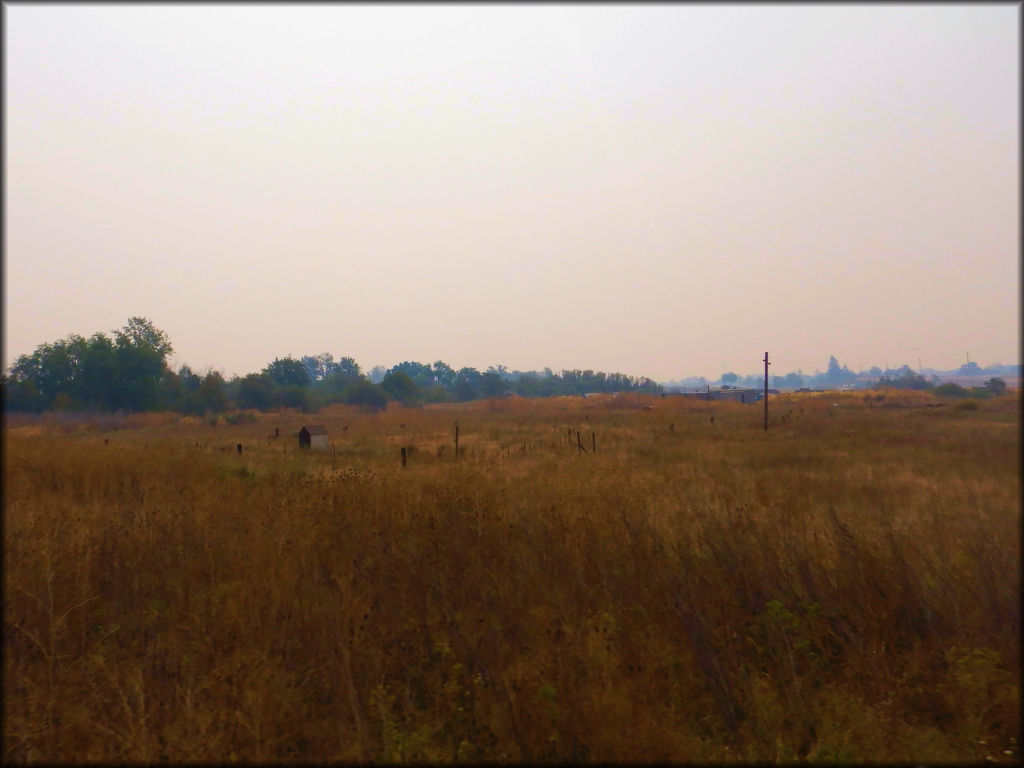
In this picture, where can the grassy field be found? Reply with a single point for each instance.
(843, 587)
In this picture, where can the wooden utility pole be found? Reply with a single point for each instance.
(765, 391)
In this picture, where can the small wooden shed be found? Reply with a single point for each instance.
(314, 436)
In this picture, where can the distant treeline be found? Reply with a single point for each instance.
(838, 375)
(129, 371)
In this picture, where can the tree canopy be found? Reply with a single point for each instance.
(128, 370)
(287, 372)
(100, 373)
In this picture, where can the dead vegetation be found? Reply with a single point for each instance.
(843, 587)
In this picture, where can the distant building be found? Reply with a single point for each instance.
(314, 436)
(736, 395)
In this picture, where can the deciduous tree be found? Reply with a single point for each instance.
(400, 386)
(287, 372)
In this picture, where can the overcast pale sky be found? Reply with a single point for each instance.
(663, 190)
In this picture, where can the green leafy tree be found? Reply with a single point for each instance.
(491, 384)
(366, 393)
(422, 375)
(256, 391)
(318, 367)
(905, 379)
(140, 332)
(346, 366)
(995, 385)
(99, 375)
(21, 395)
(52, 369)
(126, 372)
(172, 394)
(467, 384)
(141, 351)
(503, 372)
(184, 391)
(444, 375)
(169, 394)
(399, 386)
(529, 385)
(341, 375)
(729, 378)
(323, 366)
(190, 381)
(287, 372)
(292, 397)
(435, 394)
(951, 389)
(212, 393)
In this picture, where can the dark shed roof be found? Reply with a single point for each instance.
(315, 429)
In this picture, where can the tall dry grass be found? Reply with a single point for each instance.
(843, 587)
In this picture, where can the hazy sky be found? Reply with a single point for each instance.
(662, 190)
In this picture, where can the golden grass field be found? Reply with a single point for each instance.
(843, 587)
